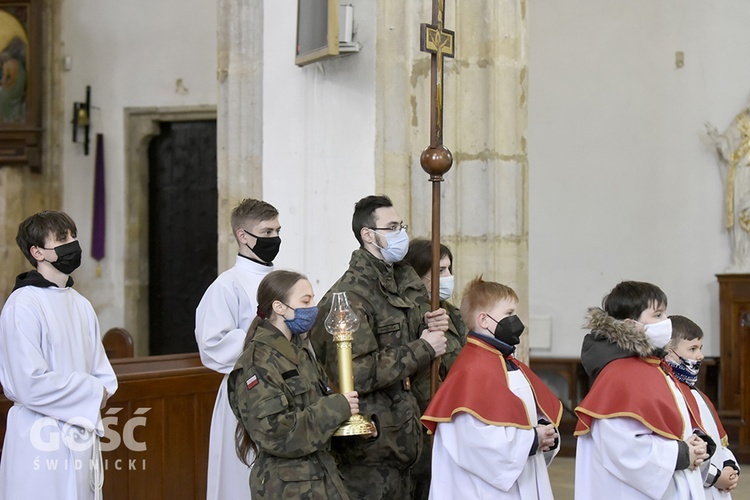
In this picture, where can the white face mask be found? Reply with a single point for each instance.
(446, 287)
(659, 333)
(398, 245)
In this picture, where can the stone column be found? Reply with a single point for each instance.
(12, 212)
(485, 195)
(23, 193)
(239, 113)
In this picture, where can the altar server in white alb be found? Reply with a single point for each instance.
(54, 369)
(222, 320)
(684, 355)
(639, 430)
(495, 421)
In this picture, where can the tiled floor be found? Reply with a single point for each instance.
(561, 474)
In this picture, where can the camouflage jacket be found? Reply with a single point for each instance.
(281, 396)
(390, 301)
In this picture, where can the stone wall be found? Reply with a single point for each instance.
(485, 195)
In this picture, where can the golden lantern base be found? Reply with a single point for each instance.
(357, 425)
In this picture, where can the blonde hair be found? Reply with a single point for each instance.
(483, 295)
(250, 212)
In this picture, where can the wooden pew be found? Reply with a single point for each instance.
(568, 380)
(118, 343)
(158, 424)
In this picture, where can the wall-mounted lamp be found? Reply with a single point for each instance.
(82, 118)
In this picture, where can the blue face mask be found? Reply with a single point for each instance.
(398, 245)
(303, 320)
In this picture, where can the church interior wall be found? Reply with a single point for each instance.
(344, 128)
(133, 54)
(624, 184)
(318, 142)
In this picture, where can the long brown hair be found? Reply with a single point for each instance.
(419, 256)
(275, 286)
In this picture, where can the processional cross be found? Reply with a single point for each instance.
(436, 159)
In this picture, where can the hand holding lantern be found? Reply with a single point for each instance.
(342, 322)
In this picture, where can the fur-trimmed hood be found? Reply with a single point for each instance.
(611, 339)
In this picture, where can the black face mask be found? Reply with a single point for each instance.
(508, 329)
(68, 257)
(265, 248)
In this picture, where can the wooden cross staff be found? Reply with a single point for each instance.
(436, 159)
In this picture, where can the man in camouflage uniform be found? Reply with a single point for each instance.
(397, 337)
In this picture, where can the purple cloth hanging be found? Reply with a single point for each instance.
(97, 235)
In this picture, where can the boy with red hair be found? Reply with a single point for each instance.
(494, 420)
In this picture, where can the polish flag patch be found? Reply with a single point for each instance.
(252, 381)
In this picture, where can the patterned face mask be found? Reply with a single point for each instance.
(686, 370)
(303, 320)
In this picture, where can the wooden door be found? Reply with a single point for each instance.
(182, 231)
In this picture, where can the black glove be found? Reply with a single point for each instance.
(732, 464)
(544, 421)
(710, 444)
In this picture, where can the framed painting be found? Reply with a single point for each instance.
(317, 30)
(20, 82)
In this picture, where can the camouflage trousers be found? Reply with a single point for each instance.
(421, 473)
(375, 482)
(313, 477)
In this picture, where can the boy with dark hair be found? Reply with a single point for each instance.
(222, 319)
(684, 356)
(398, 336)
(54, 369)
(636, 425)
(494, 420)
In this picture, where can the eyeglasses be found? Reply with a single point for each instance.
(396, 226)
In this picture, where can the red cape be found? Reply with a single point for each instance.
(477, 384)
(722, 433)
(637, 388)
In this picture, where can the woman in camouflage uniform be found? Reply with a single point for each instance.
(419, 257)
(287, 412)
